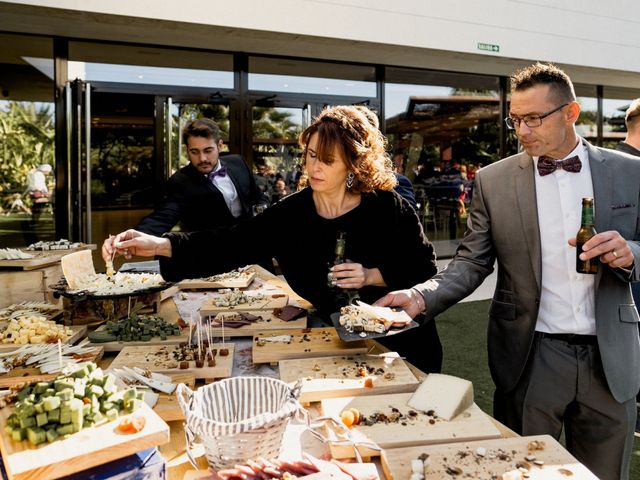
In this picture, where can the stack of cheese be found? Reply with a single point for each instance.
(363, 317)
(445, 395)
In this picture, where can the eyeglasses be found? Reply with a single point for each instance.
(531, 121)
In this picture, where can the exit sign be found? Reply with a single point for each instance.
(489, 47)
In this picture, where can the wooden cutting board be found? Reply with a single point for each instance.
(158, 358)
(272, 300)
(87, 448)
(118, 346)
(396, 462)
(331, 377)
(198, 284)
(41, 259)
(168, 408)
(305, 343)
(416, 428)
(79, 332)
(269, 322)
(29, 374)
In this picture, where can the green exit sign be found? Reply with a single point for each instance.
(489, 47)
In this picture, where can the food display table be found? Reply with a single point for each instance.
(392, 463)
(24, 280)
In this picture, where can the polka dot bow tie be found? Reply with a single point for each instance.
(221, 172)
(547, 165)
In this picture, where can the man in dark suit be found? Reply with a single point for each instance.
(563, 347)
(631, 145)
(212, 191)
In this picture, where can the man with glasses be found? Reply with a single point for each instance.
(563, 347)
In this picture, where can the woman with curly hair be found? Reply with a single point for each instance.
(349, 191)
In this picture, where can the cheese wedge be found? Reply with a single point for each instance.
(76, 266)
(446, 395)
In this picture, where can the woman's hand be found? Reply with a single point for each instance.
(354, 275)
(132, 242)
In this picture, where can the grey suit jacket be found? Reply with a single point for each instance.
(503, 226)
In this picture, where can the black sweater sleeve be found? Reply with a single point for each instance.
(410, 257)
(208, 252)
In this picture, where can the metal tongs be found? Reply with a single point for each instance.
(157, 381)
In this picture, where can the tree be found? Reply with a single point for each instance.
(26, 139)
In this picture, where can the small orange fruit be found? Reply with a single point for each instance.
(348, 418)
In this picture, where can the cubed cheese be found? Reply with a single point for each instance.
(446, 395)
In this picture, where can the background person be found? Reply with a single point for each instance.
(563, 347)
(212, 191)
(37, 190)
(631, 145)
(350, 190)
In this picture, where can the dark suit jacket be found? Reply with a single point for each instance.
(626, 148)
(503, 226)
(405, 189)
(191, 199)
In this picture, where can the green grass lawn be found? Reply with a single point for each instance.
(463, 331)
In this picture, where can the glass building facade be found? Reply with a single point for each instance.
(108, 117)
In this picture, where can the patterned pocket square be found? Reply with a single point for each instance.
(622, 205)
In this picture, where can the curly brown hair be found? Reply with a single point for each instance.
(354, 131)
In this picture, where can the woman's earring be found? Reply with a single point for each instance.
(350, 179)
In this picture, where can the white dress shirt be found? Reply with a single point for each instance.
(229, 192)
(567, 301)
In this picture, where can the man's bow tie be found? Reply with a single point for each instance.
(221, 172)
(547, 165)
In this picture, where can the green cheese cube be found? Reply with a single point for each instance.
(65, 417)
(27, 422)
(51, 403)
(36, 435)
(54, 415)
(19, 434)
(52, 435)
(41, 419)
(65, 429)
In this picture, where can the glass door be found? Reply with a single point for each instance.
(276, 155)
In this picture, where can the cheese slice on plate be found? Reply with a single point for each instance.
(385, 313)
(77, 266)
(446, 395)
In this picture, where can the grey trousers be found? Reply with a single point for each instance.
(564, 386)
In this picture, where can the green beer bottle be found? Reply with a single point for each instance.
(587, 230)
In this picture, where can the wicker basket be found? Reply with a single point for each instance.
(238, 418)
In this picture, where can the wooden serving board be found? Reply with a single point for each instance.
(410, 430)
(269, 322)
(168, 408)
(272, 300)
(396, 463)
(19, 375)
(116, 346)
(87, 448)
(305, 343)
(158, 358)
(199, 284)
(79, 331)
(331, 377)
(41, 259)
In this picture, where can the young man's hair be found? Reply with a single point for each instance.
(201, 127)
(632, 115)
(544, 74)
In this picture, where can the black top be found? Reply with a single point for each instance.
(197, 204)
(626, 148)
(383, 231)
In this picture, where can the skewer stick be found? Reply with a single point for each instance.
(60, 354)
(191, 328)
(209, 334)
(129, 308)
(222, 321)
(199, 340)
